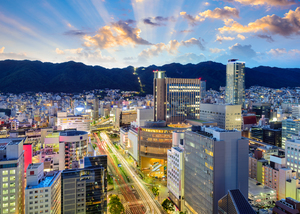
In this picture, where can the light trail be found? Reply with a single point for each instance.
(154, 207)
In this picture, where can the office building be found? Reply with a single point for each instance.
(226, 116)
(143, 115)
(261, 109)
(85, 190)
(235, 202)
(43, 190)
(288, 206)
(12, 176)
(81, 123)
(203, 89)
(216, 160)
(272, 137)
(290, 127)
(96, 109)
(235, 82)
(176, 176)
(175, 99)
(292, 152)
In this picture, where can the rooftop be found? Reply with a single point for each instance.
(72, 133)
(34, 166)
(47, 180)
(255, 189)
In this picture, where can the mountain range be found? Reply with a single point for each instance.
(35, 76)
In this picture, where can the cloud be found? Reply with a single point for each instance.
(193, 21)
(157, 49)
(221, 38)
(59, 51)
(69, 25)
(74, 51)
(129, 58)
(266, 2)
(273, 24)
(159, 21)
(277, 51)
(93, 57)
(268, 38)
(119, 33)
(16, 56)
(206, 3)
(294, 52)
(216, 50)
(186, 31)
(194, 41)
(220, 13)
(75, 33)
(189, 58)
(239, 50)
(241, 37)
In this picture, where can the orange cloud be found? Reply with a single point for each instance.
(216, 50)
(240, 36)
(58, 51)
(2, 49)
(266, 2)
(118, 34)
(220, 13)
(273, 24)
(221, 38)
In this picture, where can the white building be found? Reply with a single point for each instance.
(133, 144)
(144, 114)
(176, 175)
(226, 116)
(12, 176)
(81, 123)
(292, 155)
(43, 190)
(296, 111)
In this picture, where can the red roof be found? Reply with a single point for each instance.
(249, 119)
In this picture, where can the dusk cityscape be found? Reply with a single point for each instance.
(150, 107)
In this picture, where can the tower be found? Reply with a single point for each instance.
(175, 99)
(235, 82)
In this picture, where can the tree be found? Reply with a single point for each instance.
(168, 205)
(115, 206)
(155, 191)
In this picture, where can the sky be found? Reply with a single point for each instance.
(119, 33)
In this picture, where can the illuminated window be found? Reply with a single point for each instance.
(5, 172)
(5, 185)
(5, 179)
(12, 178)
(12, 171)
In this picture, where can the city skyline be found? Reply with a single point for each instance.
(143, 32)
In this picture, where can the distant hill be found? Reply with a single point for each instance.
(35, 76)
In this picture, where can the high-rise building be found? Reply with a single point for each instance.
(43, 190)
(226, 116)
(235, 82)
(85, 190)
(175, 99)
(203, 89)
(292, 151)
(290, 127)
(12, 176)
(216, 160)
(176, 175)
(96, 109)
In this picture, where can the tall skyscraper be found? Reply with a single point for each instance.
(12, 176)
(175, 99)
(235, 82)
(216, 160)
(85, 190)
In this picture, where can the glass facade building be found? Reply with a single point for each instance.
(290, 128)
(216, 160)
(85, 190)
(175, 99)
(235, 82)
